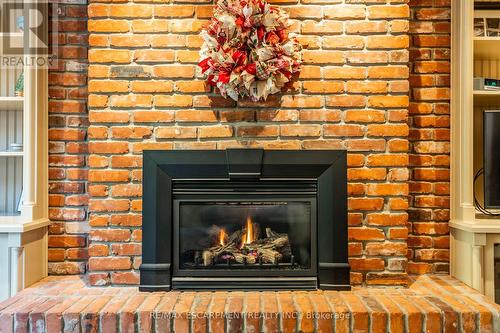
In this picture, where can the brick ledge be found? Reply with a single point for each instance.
(432, 303)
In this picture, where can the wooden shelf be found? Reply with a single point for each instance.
(17, 223)
(478, 225)
(11, 103)
(487, 48)
(11, 153)
(12, 34)
(487, 218)
(491, 12)
(487, 98)
(487, 39)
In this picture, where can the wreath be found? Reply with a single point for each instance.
(247, 50)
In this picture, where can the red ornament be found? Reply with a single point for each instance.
(210, 80)
(240, 21)
(251, 68)
(205, 64)
(282, 34)
(224, 77)
(261, 32)
(239, 58)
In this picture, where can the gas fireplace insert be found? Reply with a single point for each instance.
(244, 219)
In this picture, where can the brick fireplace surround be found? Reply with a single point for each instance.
(375, 81)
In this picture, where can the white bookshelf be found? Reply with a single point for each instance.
(11, 103)
(11, 153)
(23, 218)
(473, 235)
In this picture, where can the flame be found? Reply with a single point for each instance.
(222, 237)
(248, 237)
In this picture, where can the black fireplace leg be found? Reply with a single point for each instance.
(155, 277)
(334, 276)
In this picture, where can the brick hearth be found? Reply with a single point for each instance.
(433, 303)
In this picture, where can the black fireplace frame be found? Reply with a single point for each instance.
(164, 170)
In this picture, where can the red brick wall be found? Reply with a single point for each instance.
(429, 136)
(145, 92)
(68, 143)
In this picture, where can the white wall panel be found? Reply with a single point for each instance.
(487, 68)
(10, 167)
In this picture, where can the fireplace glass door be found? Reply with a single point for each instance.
(272, 235)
